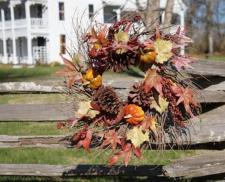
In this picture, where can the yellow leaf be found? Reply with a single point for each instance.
(137, 137)
(163, 49)
(122, 37)
(85, 110)
(161, 106)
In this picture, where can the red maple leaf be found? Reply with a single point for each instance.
(153, 80)
(185, 96)
(70, 71)
(111, 138)
(125, 153)
(85, 143)
(83, 138)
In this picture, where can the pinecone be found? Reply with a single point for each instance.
(138, 96)
(106, 99)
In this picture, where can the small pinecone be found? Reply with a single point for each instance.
(107, 100)
(138, 96)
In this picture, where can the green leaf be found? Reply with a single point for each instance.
(137, 137)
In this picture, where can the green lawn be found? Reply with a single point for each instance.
(211, 57)
(7, 73)
(79, 156)
(31, 128)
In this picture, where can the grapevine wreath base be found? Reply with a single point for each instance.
(156, 107)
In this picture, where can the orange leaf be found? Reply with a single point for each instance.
(153, 80)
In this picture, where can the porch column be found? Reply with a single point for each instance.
(182, 26)
(29, 38)
(15, 61)
(4, 37)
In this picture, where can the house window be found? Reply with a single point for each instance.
(91, 10)
(175, 19)
(61, 11)
(62, 44)
(110, 15)
(7, 14)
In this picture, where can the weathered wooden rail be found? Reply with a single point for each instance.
(197, 166)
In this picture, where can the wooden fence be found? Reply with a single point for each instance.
(207, 133)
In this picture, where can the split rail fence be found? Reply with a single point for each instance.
(209, 133)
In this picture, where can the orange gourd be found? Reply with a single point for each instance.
(148, 57)
(134, 114)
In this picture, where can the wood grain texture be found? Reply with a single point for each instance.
(33, 141)
(220, 87)
(208, 68)
(37, 112)
(28, 87)
(197, 166)
(207, 128)
(77, 170)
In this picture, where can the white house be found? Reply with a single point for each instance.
(34, 31)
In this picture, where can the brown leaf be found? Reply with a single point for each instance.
(185, 96)
(111, 138)
(153, 80)
(85, 143)
(149, 123)
(70, 71)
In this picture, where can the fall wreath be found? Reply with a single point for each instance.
(155, 108)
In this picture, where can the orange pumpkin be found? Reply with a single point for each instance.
(148, 57)
(134, 114)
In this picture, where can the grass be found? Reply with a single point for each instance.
(79, 156)
(216, 57)
(32, 98)
(7, 73)
(31, 128)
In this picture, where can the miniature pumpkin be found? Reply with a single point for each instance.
(93, 82)
(148, 57)
(96, 82)
(134, 114)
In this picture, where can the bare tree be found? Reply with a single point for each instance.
(151, 12)
(168, 13)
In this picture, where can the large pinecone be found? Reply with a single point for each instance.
(138, 96)
(107, 100)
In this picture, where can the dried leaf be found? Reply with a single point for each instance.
(70, 71)
(85, 143)
(163, 49)
(161, 105)
(185, 96)
(181, 62)
(111, 138)
(125, 153)
(122, 37)
(153, 80)
(137, 137)
(149, 123)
